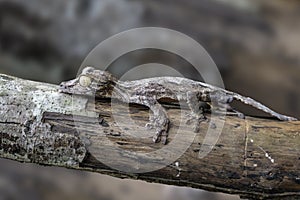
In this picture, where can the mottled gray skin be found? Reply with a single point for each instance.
(92, 82)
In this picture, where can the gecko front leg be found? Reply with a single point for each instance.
(158, 119)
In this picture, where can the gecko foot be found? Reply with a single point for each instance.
(162, 128)
(197, 119)
(161, 136)
(158, 120)
(237, 113)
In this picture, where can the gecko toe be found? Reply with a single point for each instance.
(156, 139)
(164, 140)
(164, 137)
(160, 136)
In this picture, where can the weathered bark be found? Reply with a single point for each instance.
(255, 158)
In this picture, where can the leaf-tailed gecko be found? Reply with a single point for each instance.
(93, 82)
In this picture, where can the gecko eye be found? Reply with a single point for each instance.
(85, 81)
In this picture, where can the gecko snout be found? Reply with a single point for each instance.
(63, 85)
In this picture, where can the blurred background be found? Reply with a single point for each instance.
(255, 45)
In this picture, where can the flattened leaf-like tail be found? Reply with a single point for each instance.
(260, 106)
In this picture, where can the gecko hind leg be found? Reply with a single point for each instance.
(197, 119)
(223, 103)
(197, 112)
(232, 110)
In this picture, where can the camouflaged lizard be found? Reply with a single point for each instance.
(102, 84)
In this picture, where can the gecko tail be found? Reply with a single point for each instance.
(260, 106)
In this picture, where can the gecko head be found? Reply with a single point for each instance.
(90, 82)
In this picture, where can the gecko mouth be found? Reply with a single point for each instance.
(70, 87)
(65, 87)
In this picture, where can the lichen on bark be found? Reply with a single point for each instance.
(24, 135)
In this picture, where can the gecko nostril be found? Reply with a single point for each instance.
(63, 86)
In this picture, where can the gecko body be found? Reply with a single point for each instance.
(102, 84)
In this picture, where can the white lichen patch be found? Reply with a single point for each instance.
(52, 101)
(27, 138)
(32, 99)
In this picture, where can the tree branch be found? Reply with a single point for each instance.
(255, 158)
